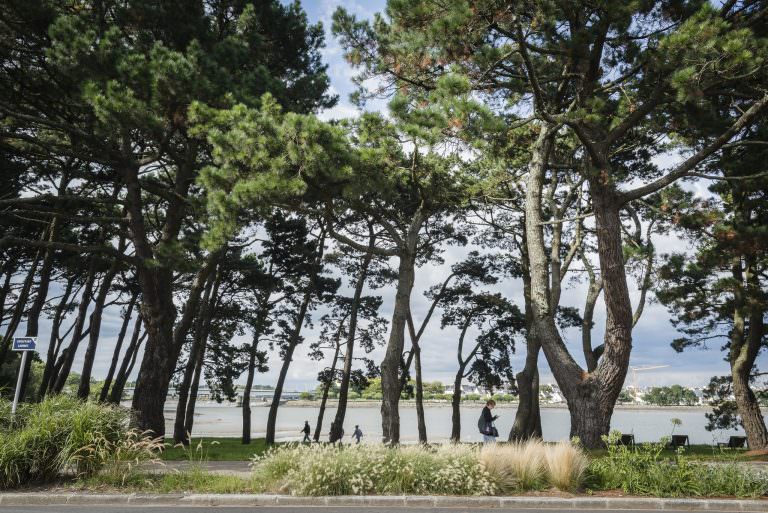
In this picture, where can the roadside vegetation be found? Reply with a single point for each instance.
(64, 436)
(89, 446)
(466, 469)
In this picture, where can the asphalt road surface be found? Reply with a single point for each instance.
(285, 509)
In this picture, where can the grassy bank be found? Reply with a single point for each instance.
(214, 449)
(231, 449)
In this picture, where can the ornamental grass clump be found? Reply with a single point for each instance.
(565, 465)
(515, 466)
(61, 435)
(373, 469)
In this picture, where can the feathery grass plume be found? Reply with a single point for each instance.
(515, 466)
(324, 469)
(566, 464)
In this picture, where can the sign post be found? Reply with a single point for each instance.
(25, 345)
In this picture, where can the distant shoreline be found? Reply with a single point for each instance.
(408, 404)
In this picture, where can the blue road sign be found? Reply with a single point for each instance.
(24, 343)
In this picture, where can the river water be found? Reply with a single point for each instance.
(646, 424)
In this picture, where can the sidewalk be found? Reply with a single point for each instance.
(414, 502)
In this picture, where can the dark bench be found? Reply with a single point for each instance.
(734, 442)
(678, 441)
(628, 440)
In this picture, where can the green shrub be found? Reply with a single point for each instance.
(642, 470)
(62, 434)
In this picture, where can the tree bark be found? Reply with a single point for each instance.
(118, 347)
(287, 358)
(54, 343)
(116, 394)
(189, 416)
(156, 282)
(261, 319)
(456, 406)
(326, 390)
(64, 363)
(527, 423)
(95, 325)
(390, 366)
(21, 304)
(745, 346)
(337, 426)
(420, 417)
(179, 433)
(9, 269)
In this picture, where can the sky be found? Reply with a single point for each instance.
(651, 336)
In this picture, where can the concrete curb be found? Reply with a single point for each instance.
(522, 502)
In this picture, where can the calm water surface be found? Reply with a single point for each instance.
(646, 425)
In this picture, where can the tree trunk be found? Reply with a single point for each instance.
(595, 286)
(116, 394)
(337, 425)
(420, 418)
(156, 282)
(189, 415)
(749, 408)
(327, 388)
(527, 422)
(745, 346)
(118, 347)
(287, 358)
(456, 406)
(64, 364)
(390, 366)
(573, 381)
(53, 342)
(9, 269)
(179, 433)
(246, 439)
(95, 325)
(18, 312)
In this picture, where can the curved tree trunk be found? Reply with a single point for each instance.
(64, 363)
(337, 426)
(390, 366)
(179, 433)
(9, 269)
(246, 405)
(189, 414)
(21, 305)
(129, 359)
(420, 417)
(456, 406)
(287, 358)
(745, 346)
(527, 422)
(53, 342)
(95, 325)
(210, 311)
(326, 389)
(118, 347)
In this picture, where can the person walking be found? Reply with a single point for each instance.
(306, 430)
(358, 434)
(485, 423)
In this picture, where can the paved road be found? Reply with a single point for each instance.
(287, 509)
